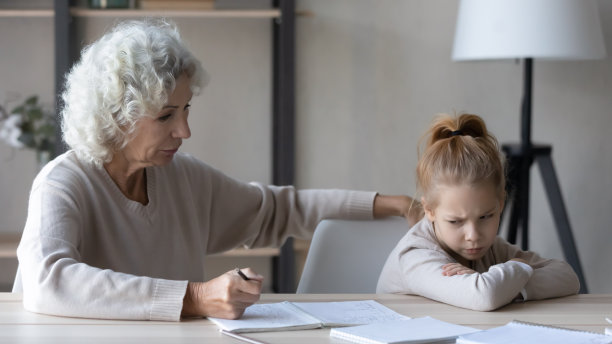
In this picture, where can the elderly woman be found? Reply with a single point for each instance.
(119, 225)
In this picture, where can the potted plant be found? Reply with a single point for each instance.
(31, 126)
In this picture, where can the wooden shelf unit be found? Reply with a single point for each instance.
(282, 15)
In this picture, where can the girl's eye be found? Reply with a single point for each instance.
(164, 118)
(485, 217)
(187, 106)
(453, 222)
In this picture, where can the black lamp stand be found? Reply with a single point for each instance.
(520, 158)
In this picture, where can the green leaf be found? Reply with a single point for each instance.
(35, 114)
(32, 100)
(18, 110)
(27, 139)
(46, 130)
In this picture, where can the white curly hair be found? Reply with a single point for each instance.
(122, 77)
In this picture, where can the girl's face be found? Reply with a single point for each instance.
(466, 219)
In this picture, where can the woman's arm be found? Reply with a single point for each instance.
(56, 281)
(385, 205)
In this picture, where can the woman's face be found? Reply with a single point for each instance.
(158, 138)
(466, 219)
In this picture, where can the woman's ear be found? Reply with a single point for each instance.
(429, 212)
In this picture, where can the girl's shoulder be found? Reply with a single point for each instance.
(420, 236)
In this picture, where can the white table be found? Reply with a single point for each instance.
(583, 312)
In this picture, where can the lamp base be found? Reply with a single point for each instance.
(541, 155)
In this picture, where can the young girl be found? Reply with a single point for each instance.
(453, 254)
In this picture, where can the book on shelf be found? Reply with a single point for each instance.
(176, 4)
(526, 333)
(417, 330)
(284, 316)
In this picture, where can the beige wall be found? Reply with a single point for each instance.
(370, 76)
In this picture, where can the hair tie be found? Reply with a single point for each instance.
(457, 133)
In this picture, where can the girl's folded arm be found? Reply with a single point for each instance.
(478, 291)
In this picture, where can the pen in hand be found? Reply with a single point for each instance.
(241, 274)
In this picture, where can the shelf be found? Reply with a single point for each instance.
(8, 249)
(298, 246)
(27, 13)
(130, 13)
(85, 12)
(8, 245)
(245, 252)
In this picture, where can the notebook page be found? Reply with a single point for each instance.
(418, 330)
(519, 332)
(268, 317)
(349, 312)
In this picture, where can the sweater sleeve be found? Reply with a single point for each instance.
(257, 215)
(421, 271)
(56, 281)
(551, 277)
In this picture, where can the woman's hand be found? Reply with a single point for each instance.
(398, 206)
(226, 296)
(452, 269)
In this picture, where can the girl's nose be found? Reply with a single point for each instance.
(471, 232)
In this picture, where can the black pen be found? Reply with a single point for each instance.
(241, 274)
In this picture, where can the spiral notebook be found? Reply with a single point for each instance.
(284, 316)
(418, 330)
(526, 333)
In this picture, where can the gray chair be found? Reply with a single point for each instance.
(347, 256)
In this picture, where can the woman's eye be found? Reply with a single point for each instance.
(485, 217)
(452, 222)
(187, 106)
(164, 118)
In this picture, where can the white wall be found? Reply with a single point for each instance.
(371, 75)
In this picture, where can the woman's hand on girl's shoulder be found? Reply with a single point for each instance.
(405, 206)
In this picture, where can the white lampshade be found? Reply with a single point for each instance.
(549, 29)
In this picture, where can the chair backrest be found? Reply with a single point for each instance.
(347, 256)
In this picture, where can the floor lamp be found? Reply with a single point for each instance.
(528, 30)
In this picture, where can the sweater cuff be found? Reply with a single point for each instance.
(168, 300)
(525, 267)
(361, 205)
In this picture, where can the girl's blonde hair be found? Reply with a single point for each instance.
(459, 150)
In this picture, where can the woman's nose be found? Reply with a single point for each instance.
(182, 130)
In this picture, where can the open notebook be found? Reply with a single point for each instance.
(418, 330)
(526, 333)
(286, 315)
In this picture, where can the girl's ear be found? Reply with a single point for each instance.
(429, 212)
